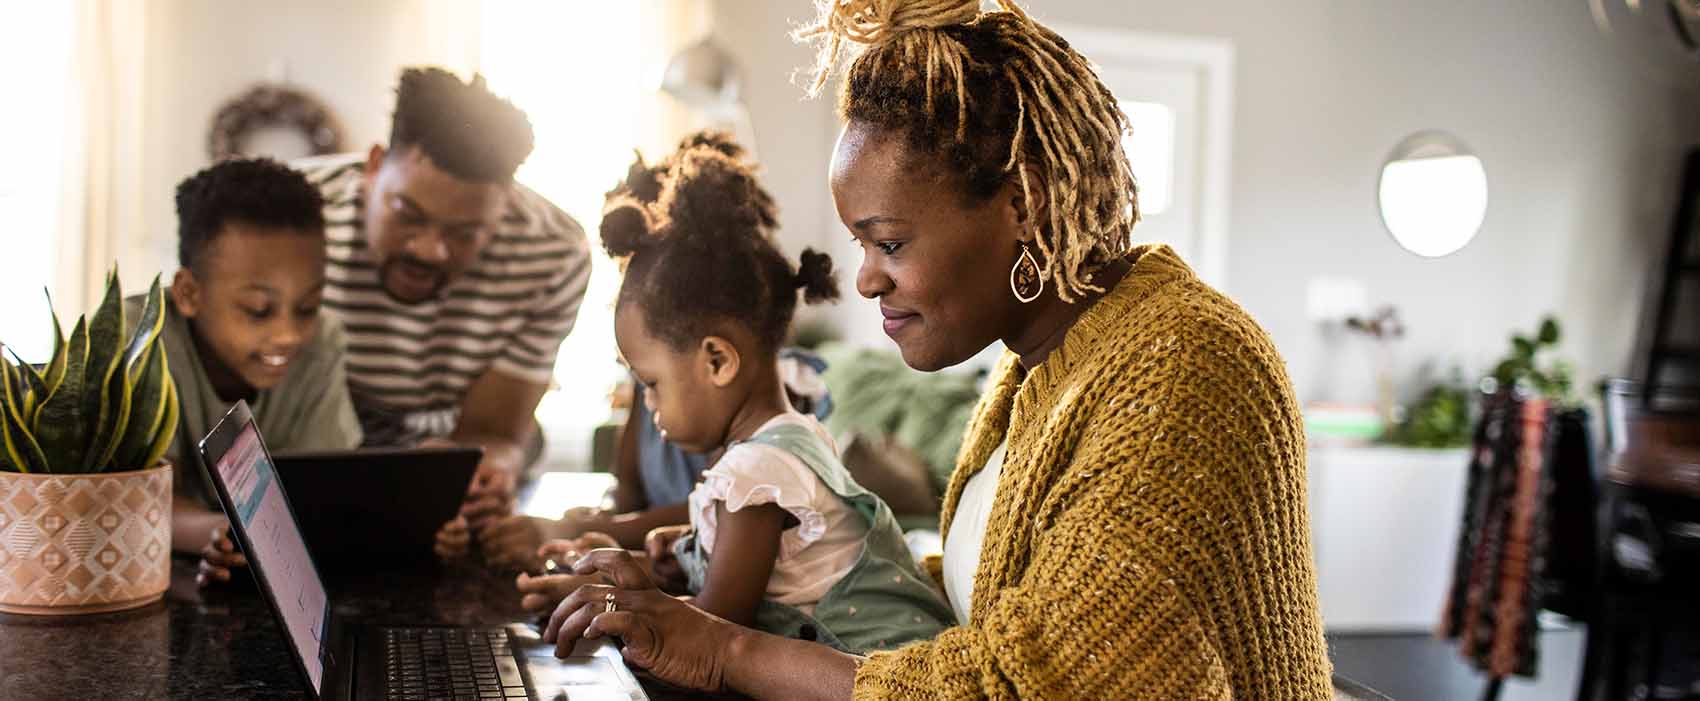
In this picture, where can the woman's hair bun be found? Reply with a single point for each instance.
(814, 277)
(626, 226)
(870, 22)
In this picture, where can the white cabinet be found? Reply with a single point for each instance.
(1384, 523)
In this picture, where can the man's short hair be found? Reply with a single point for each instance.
(462, 127)
(257, 191)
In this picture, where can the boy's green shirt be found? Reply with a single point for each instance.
(309, 410)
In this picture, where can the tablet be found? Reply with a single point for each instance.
(355, 505)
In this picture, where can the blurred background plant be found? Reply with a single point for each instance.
(1530, 368)
(1439, 418)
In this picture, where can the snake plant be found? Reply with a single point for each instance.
(105, 402)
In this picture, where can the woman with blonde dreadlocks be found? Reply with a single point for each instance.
(1127, 516)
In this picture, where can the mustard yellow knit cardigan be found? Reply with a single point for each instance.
(1149, 537)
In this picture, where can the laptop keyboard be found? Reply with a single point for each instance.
(450, 663)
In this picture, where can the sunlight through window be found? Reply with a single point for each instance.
(573, 68)
(1151, 151)
(36, 35)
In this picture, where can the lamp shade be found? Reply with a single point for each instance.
(702, 75)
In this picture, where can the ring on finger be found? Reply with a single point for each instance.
(610, 606)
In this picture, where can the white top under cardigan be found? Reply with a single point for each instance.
(967, 532)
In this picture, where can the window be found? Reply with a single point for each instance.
(32, 135)
(1151, 151)
(1178, 95)
(585, 74)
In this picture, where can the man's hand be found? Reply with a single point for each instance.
(454, 540)
(489, 496)
(497, 414)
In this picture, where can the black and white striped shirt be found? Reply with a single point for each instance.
(409, 365)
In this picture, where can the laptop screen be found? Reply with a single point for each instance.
(277, 546)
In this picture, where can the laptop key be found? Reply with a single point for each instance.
(516, 692)
(508, 669)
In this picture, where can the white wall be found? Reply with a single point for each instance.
(201, 53)
(1580, 138)
(794, 135)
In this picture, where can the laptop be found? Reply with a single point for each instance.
(341, 659)
(357, 505)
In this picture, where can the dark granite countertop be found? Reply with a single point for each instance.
(224, 643)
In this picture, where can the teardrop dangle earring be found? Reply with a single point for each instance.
(1024, 279)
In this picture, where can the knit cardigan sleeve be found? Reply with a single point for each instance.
(1064, 635)
(1141, 576)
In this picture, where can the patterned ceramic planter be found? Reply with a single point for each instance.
(72, 544)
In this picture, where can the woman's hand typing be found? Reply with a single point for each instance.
(675, 641)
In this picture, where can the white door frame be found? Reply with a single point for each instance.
(1213, 59)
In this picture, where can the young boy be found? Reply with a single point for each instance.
(242, 321)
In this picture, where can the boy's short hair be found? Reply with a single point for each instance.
(462, 127)
(256, 191)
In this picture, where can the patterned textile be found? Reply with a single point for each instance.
(1512, 498)
(1571, 564)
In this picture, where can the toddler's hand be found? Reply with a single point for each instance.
(565, 551)
(658, 545)
(511, 543)
(218, 558)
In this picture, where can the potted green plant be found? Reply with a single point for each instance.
(1522, 370)
(85, 498)
(1438, 419)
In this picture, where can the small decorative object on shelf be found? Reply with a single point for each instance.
(1329, 424)
(85, 499)
(266, 106)
(1385, 328)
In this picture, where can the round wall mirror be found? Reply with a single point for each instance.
(1433, 194)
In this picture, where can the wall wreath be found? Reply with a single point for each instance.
(266, 106)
